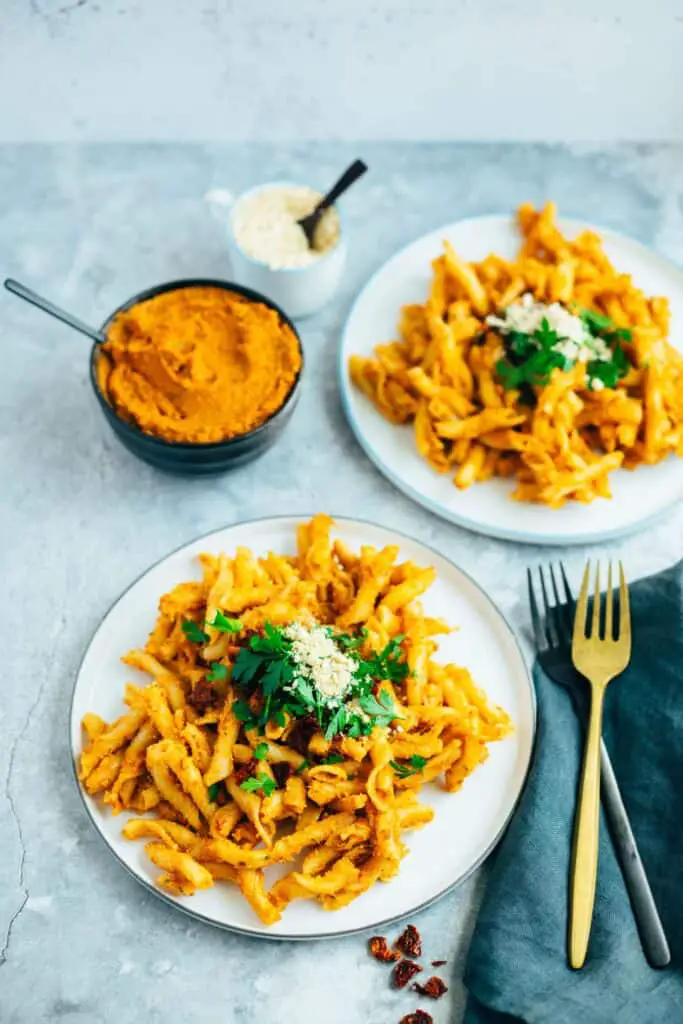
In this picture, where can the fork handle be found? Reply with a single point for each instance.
(650, 928)
(586, 834)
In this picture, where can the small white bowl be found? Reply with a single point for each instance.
(300, 291)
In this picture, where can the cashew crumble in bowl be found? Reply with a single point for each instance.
(270, 251)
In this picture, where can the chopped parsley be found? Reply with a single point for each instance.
(261, 751)
(217, 672)
(214, 790)
(538, 339)
(261, 782)
(414, 766)
(333, 759)
(224, 624)
(303, 766)
(269, 670)
(194, 633)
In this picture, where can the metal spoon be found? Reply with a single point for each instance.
(310, 222)
(49, 307)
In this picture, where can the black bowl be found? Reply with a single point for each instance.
(216, 456)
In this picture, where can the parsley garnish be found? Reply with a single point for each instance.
(404, 771)
(265, 668)
(214, 790)
(194, 633)
(217, 672)
(224, 624)
(303, 766)
(261, 751)
(244, 714)
(262, 782)
(530, 359)
(333, 759)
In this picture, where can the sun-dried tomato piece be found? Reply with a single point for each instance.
(419, 1017)
(244, 771)
(403, 972)
(434, 988)
(439, 963)
(410, 942)
(203, 694)
(380, 950)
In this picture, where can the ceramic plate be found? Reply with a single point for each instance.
(487, 508)
(467, 825)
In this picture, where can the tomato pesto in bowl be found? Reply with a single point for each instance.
(198, 364)
(198, 376)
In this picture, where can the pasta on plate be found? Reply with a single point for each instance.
(295, 713)
(552, 368)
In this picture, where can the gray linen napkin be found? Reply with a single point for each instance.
(516, 969)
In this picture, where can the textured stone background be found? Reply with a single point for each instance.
(343, 69)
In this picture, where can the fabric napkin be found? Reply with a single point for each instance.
(517, 969)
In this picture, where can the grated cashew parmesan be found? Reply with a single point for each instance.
(265, 226)
(316, 653)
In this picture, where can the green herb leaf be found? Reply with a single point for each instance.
(347, 642)
(246, 666)
(224, 624)
(381, 711)
(214, 790)
(414, 767)
(261, 751)
(261, 782)
(336, 723)
(303, 766)
(243, 713)
(194, 633)
(596, 322)
(217, 672)
(333, 759)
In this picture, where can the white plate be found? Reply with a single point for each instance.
(467, 824)
(487, 508)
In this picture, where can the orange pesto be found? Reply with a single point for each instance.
(198, 365)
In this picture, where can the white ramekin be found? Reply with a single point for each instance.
(300, 291)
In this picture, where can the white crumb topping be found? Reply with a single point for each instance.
(318, 657)
(265, 226)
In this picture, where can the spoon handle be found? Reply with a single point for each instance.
(351, 174)
(49, 307)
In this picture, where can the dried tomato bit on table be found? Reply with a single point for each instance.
(403, 972)
(419, 1017)
(409, 942)
(439, 963)
(434, 988)
(380, 950)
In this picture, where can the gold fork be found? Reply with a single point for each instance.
(600, 659)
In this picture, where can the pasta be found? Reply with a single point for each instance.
(246, 751)
(593, 387)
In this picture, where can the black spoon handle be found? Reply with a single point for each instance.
(650, 927)
(351, 174)
(49, 307)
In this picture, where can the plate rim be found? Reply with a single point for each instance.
(437, 509)
(314, 937)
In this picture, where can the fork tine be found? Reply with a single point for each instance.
(536, 621)
(582, 606)
(595, 626)
(609, 605)
(550, 632)
(624, 608)
(561, 612)
(569, 597)
(569, 604)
